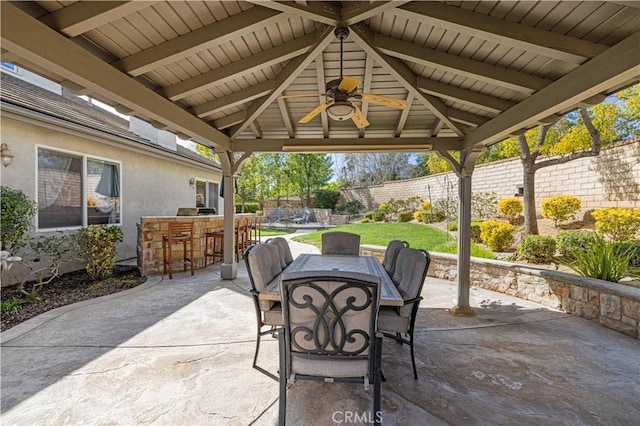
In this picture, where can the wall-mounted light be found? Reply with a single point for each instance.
(6, 155)
(192, 181)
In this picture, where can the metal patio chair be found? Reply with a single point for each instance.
(340, 242)
(391, 254)
(263, 266)
(285, 251)
(329, 331)
(410, 273)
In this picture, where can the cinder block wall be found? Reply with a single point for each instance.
(610, 180)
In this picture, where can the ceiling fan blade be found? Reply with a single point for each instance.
(348, 84)
(359, 119)
(317, 110)
(383, 100)
(302, 95)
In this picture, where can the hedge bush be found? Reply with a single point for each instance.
(475, 231)
(417, 215)
(425, 205)
(619, 224)
(570, 242)
(377, 215)
(98, 248)
(560, 208)
(497, 235)
(405, 216)
(537, 248)
(368, 215)
(17, 211)
(452, 226)
(511, 208)
(326, 198)
(432, 216)
(248, 207)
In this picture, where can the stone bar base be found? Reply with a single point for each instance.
(152, 228)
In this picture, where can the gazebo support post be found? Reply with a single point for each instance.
(463, 169)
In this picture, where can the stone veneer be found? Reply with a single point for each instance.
(616, 306)
(152, 228)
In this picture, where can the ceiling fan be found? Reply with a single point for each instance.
(342, 93)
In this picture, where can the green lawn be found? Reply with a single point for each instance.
(416, 234)
(271, 232)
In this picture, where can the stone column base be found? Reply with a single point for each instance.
(463, 311)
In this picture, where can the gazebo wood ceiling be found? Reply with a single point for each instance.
(472, 73)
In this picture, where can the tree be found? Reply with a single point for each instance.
(308, 172)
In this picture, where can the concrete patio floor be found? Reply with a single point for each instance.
(179, 352)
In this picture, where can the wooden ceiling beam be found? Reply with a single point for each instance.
(320, 11)
(530, 39)
(347, 145)
(196, 41)
(286, 118)
(84, 16)
(366, 88)
(464, 96)
(37, 43)
(615, 67)
(476, 70)
(226, 73)
(284, 79)
(230, 120)
(234, 99)
(324, 118)
(364, 38)
(402, 121)
(356, 11)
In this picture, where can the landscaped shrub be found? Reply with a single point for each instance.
(432, 216)
(511, 208)
(17, 211)
(537, 248)
(497, 235)
(248, 207)
(452, 226)
(353, 207)
(368, 215)
(475, 231)
(601, 261)
(98, 248)
(448, 207)
(570, 242)
(377, 215)
(617, 223)
(365, 220)
(631, 249)
(259, 213)
(405, 216)
(326, 198)
(560, 208)
(417, 215)
(425, 205)
(483, 204)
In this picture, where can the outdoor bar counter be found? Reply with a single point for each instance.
(152, 228)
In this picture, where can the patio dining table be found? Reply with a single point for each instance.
(389, 295)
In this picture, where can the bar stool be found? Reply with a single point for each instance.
(215, 240)
(255, 232)
(178, 232)
(242, 237)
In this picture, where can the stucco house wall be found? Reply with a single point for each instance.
(155, 181)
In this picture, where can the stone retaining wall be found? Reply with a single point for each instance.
(611, 179)
(615, 306)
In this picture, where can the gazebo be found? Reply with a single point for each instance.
(377, 76)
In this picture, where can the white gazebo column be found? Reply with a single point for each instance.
(463, 169)
(462, 306)
(229, 268)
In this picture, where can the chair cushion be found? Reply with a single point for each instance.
(411, 265)
(341, 243)
(285, 252)
(329, 368)
(273, 316)
(390, 320)
(263, 263)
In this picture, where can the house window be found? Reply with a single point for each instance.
(9, 67)
(207, 194)
(75, 190)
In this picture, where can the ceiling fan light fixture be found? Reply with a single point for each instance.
(341, 110)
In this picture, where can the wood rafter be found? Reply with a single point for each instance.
(324, 118)
(366, 88)
(286, 118)
(322, 12)
(356, 11)
(288, 74)
(339, 145)
(234, 99)
(234, 70)
(616, 66)
(464, 96)
(195, 41)
(550, 44)
(402, 120)
(84, 16)
(37, 43)
(362, 35)
(230, 120)
(475, 70)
